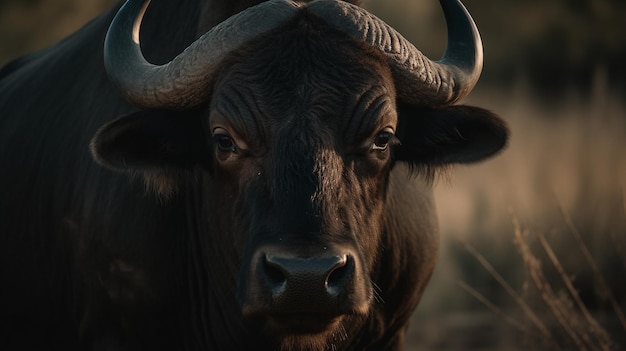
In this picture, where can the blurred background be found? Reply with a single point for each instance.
(533, 252)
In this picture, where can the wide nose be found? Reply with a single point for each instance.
(283, 283)
(295, 278)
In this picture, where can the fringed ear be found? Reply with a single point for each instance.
(155, 144)
(455, 134)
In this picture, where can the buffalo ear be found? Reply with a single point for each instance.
(149, 141)
(454, 134)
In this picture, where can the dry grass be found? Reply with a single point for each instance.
(572, 325)
(555, 282)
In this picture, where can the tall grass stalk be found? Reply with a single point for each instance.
(528, 311)
(566, 307)
(618, 243)
(555, 304)
(604, 287)
(600, 334)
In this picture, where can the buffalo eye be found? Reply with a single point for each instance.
(223, 141)
(383, 139)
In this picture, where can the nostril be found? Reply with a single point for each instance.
(274, 273)
(336, 277)
(339, 275)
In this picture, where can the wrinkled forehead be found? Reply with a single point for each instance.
(303, 70)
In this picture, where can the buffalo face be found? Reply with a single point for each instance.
(285, 154)
(308, 163)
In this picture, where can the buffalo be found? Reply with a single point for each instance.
(234, 175)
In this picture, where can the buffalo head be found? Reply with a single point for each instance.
(281, 128)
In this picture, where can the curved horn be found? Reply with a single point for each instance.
(183, 82)
(418, 79)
